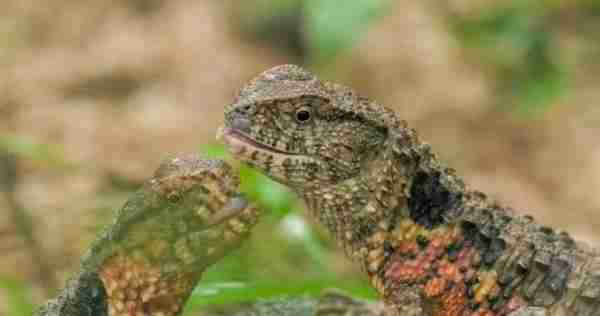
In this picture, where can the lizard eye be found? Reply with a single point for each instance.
(303, 115)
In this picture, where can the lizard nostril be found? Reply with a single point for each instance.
(244, 109)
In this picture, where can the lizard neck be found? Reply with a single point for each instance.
(404, 182)
(351, 213)
(360, 207)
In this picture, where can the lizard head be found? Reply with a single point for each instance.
(303, 132)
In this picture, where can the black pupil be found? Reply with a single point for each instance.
(303, 115)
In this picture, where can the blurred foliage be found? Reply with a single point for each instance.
(517, 40)
(314, 30)
(331, 27)
(24, 147)
(18, 297)
(277, 22)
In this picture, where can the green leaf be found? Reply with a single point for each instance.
(214, 151)
(272, 196)
(296, 230)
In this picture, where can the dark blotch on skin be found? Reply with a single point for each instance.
(95, 295)
(490, 248)
(430, 199)
(84, 295)
(453, 250)
(494, 252)
(558, 276)
(388, 249)
(422, 241)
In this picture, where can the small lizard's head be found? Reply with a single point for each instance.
(303, 132)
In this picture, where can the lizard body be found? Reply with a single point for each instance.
(429, 244)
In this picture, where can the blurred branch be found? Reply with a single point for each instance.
(22, 222)
(331, 302)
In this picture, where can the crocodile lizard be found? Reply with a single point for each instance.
(429, 244)
(147, 261)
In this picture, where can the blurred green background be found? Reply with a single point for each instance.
(93, 94)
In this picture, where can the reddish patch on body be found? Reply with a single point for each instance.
(408, 248)
(513, 304)
(464, 261)
(403, 270)
(435, 287)
(452, 285)
(483, 312)
(453, 302)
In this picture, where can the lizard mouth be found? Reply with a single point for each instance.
(238, 142)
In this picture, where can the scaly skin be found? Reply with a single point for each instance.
(183, 220)
(429, 244)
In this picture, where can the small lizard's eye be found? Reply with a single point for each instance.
(303, 115)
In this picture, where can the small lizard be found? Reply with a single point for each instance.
(148, 260)
(429, 244)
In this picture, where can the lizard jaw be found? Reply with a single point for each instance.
(238, 143)
(270, 160)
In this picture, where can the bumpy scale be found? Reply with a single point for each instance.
(430, 245)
